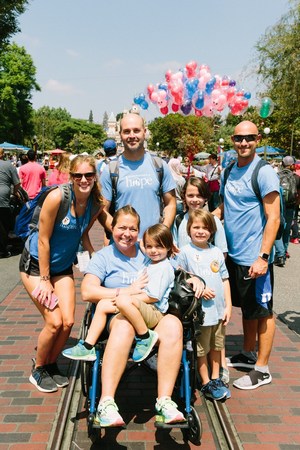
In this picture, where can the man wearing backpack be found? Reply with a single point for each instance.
(251, 225)
(138, 183)
(110, 149)
(290, 184)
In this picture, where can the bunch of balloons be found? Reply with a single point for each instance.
(193, 90)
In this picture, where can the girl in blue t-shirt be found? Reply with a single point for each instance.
(207, 261)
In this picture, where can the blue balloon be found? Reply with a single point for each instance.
(163, 86)
(199, 101)
(247, 95)
(210, 85)
(144, 104)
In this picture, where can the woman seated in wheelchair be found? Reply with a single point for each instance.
(203, 259)
(117, 277)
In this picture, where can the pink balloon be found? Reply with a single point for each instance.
(154, 97)
(168, 75)
(150, 89)
(191, 69)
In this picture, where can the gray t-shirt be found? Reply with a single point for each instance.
(8, 177)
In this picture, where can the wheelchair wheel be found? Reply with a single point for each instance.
(85, 377)
(194, 432)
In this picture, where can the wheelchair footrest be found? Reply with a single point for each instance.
(98, 426)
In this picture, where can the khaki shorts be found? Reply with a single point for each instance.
(211, 338)
(151, 314)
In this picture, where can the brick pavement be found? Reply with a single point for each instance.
(266, 418)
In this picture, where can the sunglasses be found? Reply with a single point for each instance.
(87, 176)
(247, 137)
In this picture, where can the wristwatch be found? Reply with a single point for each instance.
(264, 256)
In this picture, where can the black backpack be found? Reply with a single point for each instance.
(183, 303)
(289, 187)
(256, 191)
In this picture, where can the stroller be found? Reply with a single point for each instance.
(184, 305)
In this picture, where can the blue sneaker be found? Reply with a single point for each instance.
(80, 353)
(220, 384)
(212, 391)
(144, 346)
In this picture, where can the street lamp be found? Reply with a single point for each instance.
(157, 146)
(220, 148)
(267, 132)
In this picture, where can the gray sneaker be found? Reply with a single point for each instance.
(41, 379)
(59, 379)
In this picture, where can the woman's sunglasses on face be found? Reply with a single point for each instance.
(78, 176)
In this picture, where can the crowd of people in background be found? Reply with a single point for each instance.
(237, 257)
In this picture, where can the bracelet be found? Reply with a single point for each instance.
(45, 278)
(117, 292)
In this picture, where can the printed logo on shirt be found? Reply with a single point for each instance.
(215, 266)
(235, 187)
(140, 182)
(66, 221)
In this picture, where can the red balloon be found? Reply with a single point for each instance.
(198, 112)
(164, 110)
(175, 107)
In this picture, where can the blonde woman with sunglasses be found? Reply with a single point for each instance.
(46, 266)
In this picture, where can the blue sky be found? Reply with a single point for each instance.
(97, 55)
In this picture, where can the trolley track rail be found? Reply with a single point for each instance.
(65, 430)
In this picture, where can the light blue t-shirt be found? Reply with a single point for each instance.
(114, 269)
(181, 237)
(138, 186)
(208, 264)
(244, 218)
(161, 280)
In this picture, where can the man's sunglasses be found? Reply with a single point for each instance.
(247, 137)
(87, 176)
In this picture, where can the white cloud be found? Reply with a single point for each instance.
(72, 53)
(113, 63)
(30, 41)
(61, 88)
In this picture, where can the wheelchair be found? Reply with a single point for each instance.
(185, 386)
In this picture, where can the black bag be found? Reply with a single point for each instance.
(182, 301)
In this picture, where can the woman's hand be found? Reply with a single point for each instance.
(138, 285)
(43, 293)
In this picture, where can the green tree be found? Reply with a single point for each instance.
(65, 132)
(82, 142)
(105, 121)
(9, 12)
(279, 68)
(91, 117)
(17, 81)
(177, 134)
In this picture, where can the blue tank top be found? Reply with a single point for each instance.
(64, 241)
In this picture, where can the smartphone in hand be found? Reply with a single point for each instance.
(53, 300)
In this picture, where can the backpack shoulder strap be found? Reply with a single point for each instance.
(227, 171)
(158, 165)
(254, 176)
(114, 176)
(179, 219)
(66, 199)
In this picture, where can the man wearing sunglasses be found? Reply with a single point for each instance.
(251, 226)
